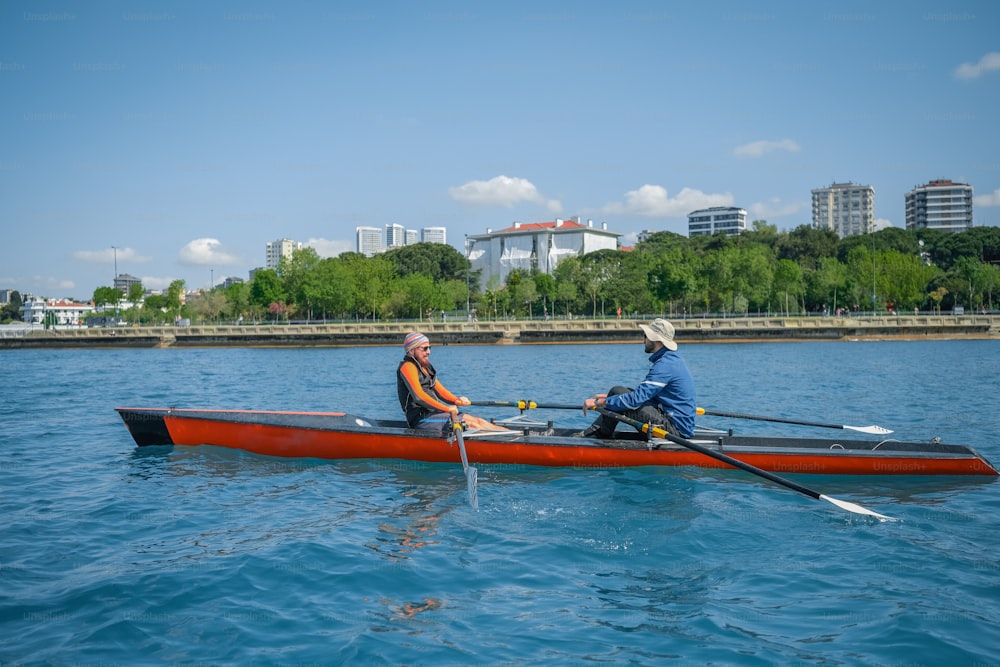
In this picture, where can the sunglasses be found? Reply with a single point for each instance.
(425, 348)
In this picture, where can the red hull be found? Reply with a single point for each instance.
(341, 436)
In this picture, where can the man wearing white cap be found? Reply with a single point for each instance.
(665, 398)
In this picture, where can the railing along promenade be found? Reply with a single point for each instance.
(459, 332)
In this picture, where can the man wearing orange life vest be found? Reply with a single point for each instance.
(426, 402)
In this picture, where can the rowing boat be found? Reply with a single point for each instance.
(339, 435)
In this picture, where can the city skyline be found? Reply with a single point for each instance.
(177, 141)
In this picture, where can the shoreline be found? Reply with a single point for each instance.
(517, 332)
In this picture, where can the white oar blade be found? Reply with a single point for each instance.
(857, 509)
(877, 430)
(471, 480)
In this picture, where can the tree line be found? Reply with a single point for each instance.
(762, 271)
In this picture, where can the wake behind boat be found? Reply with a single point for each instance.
(339, 435)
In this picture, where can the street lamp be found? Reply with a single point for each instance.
(114, 283)
(468, 291)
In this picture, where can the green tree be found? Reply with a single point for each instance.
(154, 308)
(829, 282)
(373, 282)
(673, 277)
(135, 294)
(439, 261)
(11, 311)
(107, 296)
(414, 295)
(175, 291)
(207, 305)
(524, 293)
(569, 284)
(333, 287)
(807, 246)
(788, 282)
(973, 276)
(295, 272)
(237, 300)
(905, 278)
(937, 296)
(545, 285)
(266, 289)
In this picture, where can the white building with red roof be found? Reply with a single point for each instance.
(538, 246)
(54, 312)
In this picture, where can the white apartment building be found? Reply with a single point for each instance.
(845, 208)
(395, 236)
(940, 204)
(412, 237)
(369, 240)
(275, 250)
(708, 221)
(535, 246)
(434, 235)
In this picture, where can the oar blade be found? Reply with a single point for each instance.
(875, 430)
(472, 480)
(855, 508)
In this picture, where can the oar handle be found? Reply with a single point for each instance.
(529, 405)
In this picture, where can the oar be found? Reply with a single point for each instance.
(662, 433)
(877, 430)
(471, 474)
(529, 405)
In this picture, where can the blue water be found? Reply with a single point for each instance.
(111, 554)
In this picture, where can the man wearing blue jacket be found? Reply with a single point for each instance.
(665, 398)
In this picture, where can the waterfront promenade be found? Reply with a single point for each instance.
(511, 332)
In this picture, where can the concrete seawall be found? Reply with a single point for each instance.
(720, 330)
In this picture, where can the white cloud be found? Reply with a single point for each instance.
(502, 191)
(330, 248)
(206, 252)
(760, 148)
(109, 255)
(653, 201)
(882, 223)
(52, 283)
(992, 199)
(774, 208)
(988, 63)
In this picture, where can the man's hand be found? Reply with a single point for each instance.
(594, 402)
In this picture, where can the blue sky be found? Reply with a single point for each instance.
(189, 134)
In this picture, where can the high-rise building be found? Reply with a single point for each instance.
(708, 221)
(275, 250)
(369, 240)
(845, 208)
(412, 236)
(940, 204)
(395, 236)
(434, 235)
(124, 282)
